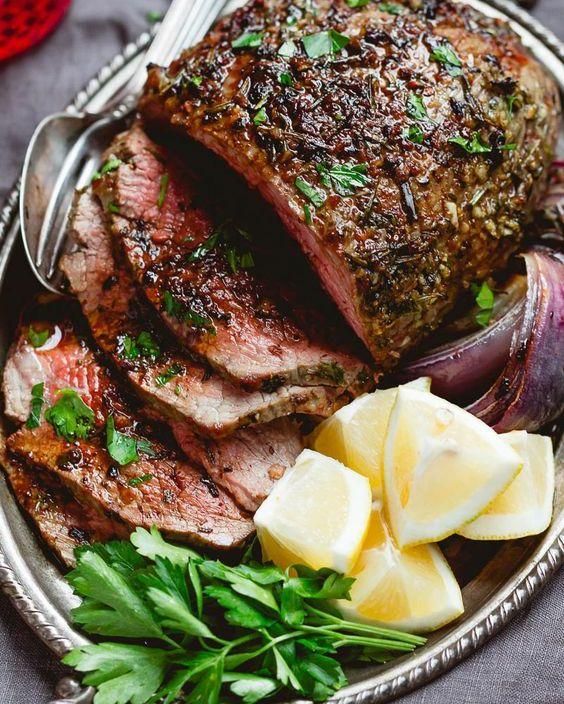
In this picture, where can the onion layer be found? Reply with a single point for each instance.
(523, 348)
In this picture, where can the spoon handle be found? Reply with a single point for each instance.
(185, 23)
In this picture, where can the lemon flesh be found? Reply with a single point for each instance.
(317, 515)
(442, 467)
(525, 507)
(355, 435)
(412, 590)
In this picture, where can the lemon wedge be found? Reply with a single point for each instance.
(317, 515)
(525, 507)
(412, 590)
(355, 435)
(442, 467)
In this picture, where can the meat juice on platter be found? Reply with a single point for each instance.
(228, 364)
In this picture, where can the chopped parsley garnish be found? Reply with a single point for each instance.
(110, 165)
(196, 80)
(260, 117)
(416, 107)
(313, 194)
(415, 134)
(123, 448)
(508, 147)
(37, 338)
(37, 401)
(332, 371)
(288, 49)
(113, 207)
(391, 8)
(163, 189)
(358, 3)
(136, 481)
(174, 370)
(307, 214)
(70, 416)
(285, 79)
(475, 145)
(324, 43)
(231, 239)
(511, 100)
(144, 345)
(176, 626)
(445, 55)
(484, 297)
(182, 312)
(248, 40)
(344, 178)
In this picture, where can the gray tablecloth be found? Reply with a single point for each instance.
(523, 665)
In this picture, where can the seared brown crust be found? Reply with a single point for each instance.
(432, 218)
(237, 318)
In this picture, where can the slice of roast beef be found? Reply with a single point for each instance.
(159, 488)
(208, 279)
(172, 383)
(62, 522)
(404, 148)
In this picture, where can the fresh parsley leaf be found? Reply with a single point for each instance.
(154, 16)
(288, 49)
(121, 447)
(137, 481)
(239, 611)
(326, 43)
(475, 145)
(248, 40)
(165, 587)
(508, 147)
(112, 607)
(320, 584)
(320, 676)
(484, 297)
(344, 178)
(415, 134)
(110, 165)
(391, 8)
(239, 582)
(163, 189)
(120, 672)
(250, 688)
(315, 195)
(444, 54)
(36, 406)
(196, 81)
(113, 207)
(169, 374)
(144, 345)
(261, 573)
(182, 312)
(150, 544)
(37, 338)
(260, 117)
(416, 107)
(307, 214)
(285, 79)
(358, 3)
(119, 554)
(70, 416)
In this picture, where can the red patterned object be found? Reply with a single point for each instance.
(24, 23)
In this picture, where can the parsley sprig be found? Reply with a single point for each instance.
(251, 630)
(345, 179)
(484, 297)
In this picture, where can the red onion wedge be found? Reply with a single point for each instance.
(521, 354)
(529, 392)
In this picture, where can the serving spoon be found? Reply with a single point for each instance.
(65, 149)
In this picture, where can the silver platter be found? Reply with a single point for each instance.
(505, 581)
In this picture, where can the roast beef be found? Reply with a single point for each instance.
(159, 488)
(177, 387)
(62, 522)
(212, 284)
(403, 146)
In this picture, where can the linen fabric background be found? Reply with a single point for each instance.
(522, 665)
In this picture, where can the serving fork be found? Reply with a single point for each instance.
(65, 149)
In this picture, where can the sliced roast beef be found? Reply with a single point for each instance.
(63, 523)
(157, 488)
(404, 148)
(207, 277)
(172, 383)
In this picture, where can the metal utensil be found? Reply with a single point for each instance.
(65, 149)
